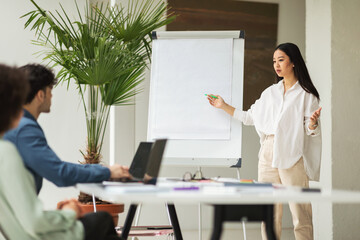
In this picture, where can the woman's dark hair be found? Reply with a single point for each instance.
(300, 69)
(39, 78)
(13, 92)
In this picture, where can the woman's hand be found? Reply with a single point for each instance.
(314, 119)
(71, 204)
(216, 102)
(219, 102)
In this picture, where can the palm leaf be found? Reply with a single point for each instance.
(105, 53)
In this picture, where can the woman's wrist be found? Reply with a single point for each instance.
(224, 106)
(313, 126)
(228, 108)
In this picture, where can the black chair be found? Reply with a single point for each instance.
(250, 213)
(243, 213)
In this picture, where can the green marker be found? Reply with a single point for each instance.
(212, 96)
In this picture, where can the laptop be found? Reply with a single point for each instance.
(154, 163)
(146, 164)
(138, 165)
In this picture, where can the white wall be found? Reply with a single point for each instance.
(333, 53)
(64, 126)
(345, 62)
(318, 55)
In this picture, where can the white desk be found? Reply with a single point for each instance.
(221, 197)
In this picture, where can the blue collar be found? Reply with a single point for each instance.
(27, 114)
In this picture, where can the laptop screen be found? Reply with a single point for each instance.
(139, 163)
(154, 163)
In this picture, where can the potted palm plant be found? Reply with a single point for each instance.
(104, 52)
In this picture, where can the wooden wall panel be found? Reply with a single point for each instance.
(259, 20)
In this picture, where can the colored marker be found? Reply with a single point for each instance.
(212, 96)
(246, 181)
(185, 188)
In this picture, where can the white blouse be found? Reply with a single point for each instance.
(287, 116)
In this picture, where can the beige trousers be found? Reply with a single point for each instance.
(294, 176)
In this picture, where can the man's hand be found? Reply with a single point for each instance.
(118, 171)
(71, 204)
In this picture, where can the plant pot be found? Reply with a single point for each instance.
(113, 209)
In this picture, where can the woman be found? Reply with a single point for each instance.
(21, 212)
(286, 117)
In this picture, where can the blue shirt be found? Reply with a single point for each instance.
(42, 162)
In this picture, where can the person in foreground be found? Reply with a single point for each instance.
(22, 215)
(30, 140)
(286, 117)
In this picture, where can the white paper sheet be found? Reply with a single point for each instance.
(183, 72)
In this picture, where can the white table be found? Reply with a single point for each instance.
(220, 197)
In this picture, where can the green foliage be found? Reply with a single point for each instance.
(105, 52)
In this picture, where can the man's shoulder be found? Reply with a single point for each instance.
(27, 121)
(24, 124)
(6, 146)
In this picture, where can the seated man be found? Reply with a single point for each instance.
(30, 140)
(22, 215)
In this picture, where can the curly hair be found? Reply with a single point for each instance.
(39, 77)
(13, 91)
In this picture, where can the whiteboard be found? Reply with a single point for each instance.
(185, 66)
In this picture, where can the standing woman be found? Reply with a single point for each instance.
(286, 117)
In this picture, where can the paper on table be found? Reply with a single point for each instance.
(132, 189)
(123, 184)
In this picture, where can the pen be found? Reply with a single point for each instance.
(311, 190)
(212, 96)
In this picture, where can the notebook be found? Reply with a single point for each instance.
(146, 164)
